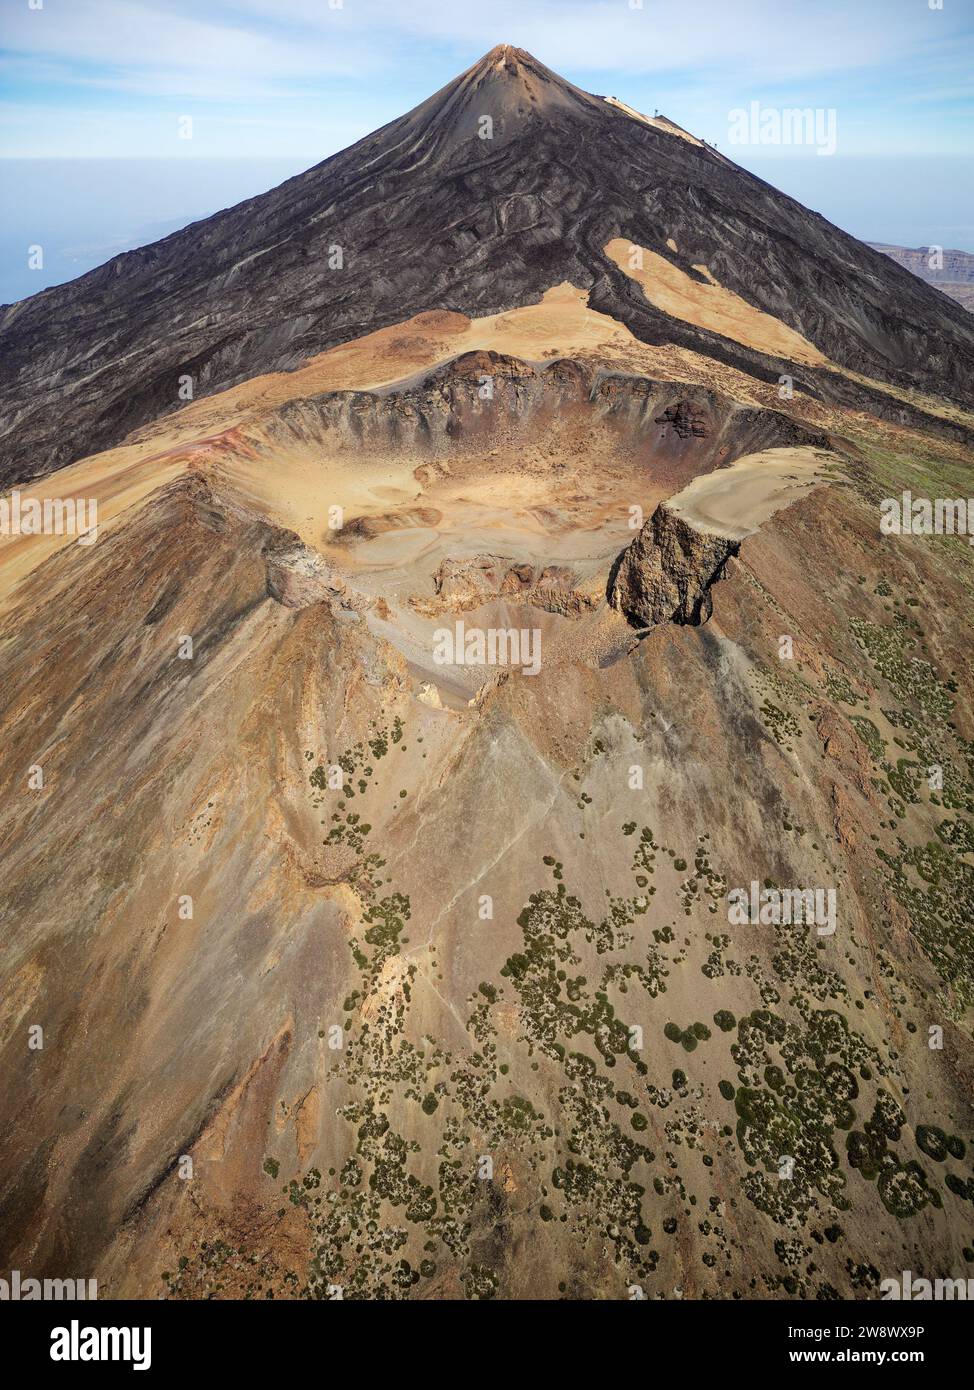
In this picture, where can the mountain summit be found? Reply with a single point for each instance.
(505, 183)
(511, 88)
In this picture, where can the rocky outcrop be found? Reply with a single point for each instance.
(465, 583)
(686, 420)
(666, 574)
(448, 416)
(297, 578)
(471, 580)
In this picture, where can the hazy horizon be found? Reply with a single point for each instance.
(84, 212)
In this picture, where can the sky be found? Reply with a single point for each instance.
(266, 88)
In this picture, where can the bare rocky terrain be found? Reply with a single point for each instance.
(359, 968)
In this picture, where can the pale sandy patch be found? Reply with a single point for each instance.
(711, 306)
(735, 501)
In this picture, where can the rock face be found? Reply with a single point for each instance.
(443, 418)
(297, 578)
(685, 420)
(465, 583)
(666, 574)
(427, 214)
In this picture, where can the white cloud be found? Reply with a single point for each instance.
(282, 39)
(302, 61)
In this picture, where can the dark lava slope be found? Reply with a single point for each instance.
(430, 215)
